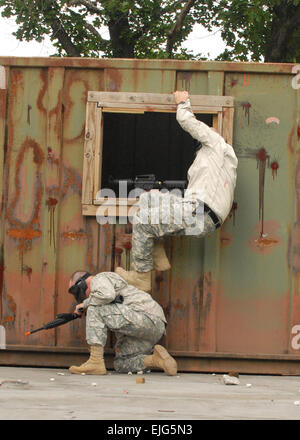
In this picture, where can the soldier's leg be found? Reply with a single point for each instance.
(96, 335)
(158, 216)
(131, 354)
(136, 334)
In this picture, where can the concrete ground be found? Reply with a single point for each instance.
(56, 394)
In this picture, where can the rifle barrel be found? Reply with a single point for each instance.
(34, 331)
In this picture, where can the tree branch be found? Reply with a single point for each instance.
(172, 35)
(90, 6)
(94, 31)
(58, 31)
(64, 39)
(282, 28)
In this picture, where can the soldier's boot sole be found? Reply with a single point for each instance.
(162, 359)
(93, 368)
(140, 280)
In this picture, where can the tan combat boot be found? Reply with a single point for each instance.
(159, 256)
(161, 359)
(141, 280)
(95, 364)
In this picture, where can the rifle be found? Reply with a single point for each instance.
(148, 182)
(61, 318)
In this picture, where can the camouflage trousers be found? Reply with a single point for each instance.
(159, 216)
(136, 333)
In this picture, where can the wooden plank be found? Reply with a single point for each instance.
(123, 211)
(228, 115)
(122, 110)
(215, 121)
(111, 107)
(89, 154)
(220, 122)
(98, 148)
(157, 98)
(3, 104)
(3, 81)
(111, 202)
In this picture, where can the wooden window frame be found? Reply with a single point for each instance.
(221, 107)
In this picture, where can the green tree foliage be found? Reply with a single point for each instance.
(256, 30)
(259, 30)
(137, 29)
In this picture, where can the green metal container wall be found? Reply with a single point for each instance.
(232, 299)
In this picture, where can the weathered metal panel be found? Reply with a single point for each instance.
(78, 236)
(25, 303)
(231, 299)
(254, 287)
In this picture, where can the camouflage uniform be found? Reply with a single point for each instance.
(165, 214)
(138, 323)
(211, 181)
(136, 334)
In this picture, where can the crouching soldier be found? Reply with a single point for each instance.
(136, 319)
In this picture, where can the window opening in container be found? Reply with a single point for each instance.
(147, 143)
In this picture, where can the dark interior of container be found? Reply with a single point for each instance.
(149, 143)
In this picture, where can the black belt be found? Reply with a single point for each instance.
(212, 215)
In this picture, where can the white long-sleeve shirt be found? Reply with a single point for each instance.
(105, 286)
(213, 172)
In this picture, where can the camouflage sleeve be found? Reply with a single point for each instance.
(102, 291)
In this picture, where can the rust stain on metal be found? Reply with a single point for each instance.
(2, 100)
(204, 293)
(291, 143)
(158, 279)
(114, 80)
(246, 79)
(83, 235)
(233, 211)
(266, 243)
(29, 108)
(51, 203)
(12, 307)
(25, 232)
(179, 308)
(233, 82)
(225, 238)
(51, 157)
(55, 111)
(74, 235)
(274, 168)
(246, 107)
(28, 271)
(298, 131)
(185, 78)
(262, 159)
(43, 91)
(25, 237)
(118, 254)
(71, 180)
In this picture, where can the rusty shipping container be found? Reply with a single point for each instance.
(232, 300)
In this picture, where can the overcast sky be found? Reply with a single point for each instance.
(199, 41)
